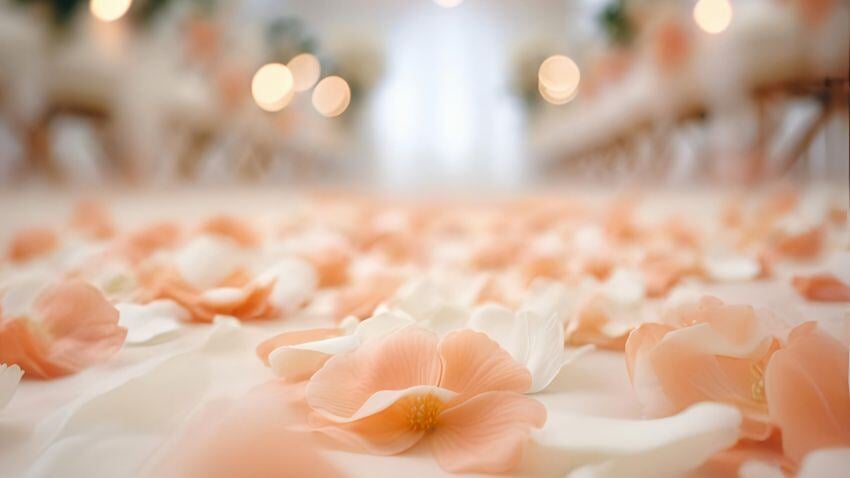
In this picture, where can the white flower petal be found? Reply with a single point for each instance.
(732, 268)
(10, 376)
(146, 322)
(223, 296)
(381, 324)
(601, 447)
(207, 261)
(625, 286)
(295, 283)
(826, 463)
(545, 354)
(502, 325)
(759, 469)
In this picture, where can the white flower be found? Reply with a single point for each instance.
(10, 376)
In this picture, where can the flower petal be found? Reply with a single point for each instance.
(9, 378)
(806, 385)
(486, 433)
(301, 361)
(473, 364)
(404, 359)
(615, 447)
(146, 322)
(294, 337)
(822, 288)
(828, 463)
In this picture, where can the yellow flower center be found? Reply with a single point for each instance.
(422, 411)
(757, 386)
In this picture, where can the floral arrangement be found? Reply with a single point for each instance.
(409, 326)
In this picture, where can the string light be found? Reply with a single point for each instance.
(305, 70)
(713, 16)
(331, 96)
(109, 10)
(272, 87)
(558, 79)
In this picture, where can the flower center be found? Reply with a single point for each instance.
(422, 412)
(757, 382)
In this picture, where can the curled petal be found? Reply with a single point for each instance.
(807, 392)
(486, 433)
(77, 328)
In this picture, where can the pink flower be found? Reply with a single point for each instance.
(807, 392)
(709, 351)
(68, 327)
(464, 394)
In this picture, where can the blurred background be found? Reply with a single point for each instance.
(422, 93)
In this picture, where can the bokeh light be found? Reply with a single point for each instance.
(305, 70)
(713, 16)
(448, 3)
(558, 79)
(109, 10)
(331, 96)
(272, 87)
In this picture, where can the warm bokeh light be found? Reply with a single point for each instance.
(305, 70)
(109, 10)
(272, 87)
(331, 96)
(448, 3)
(558, 79)
(713, 16)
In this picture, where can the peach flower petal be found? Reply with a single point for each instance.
(239, 231)
(486, 433)
(401, 360)
(362, 298)
(76, 328)
(802, 246)
(385, 432)
(93, 220)
(248, 438)
(806, 384)
(28, 244)
(140, 244)
(473, 364)
(822, 288)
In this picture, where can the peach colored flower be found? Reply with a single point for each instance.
(238, 295)
(822, 288)
(28, 244)
(464, 394)
(806, 388)
(707, 351)
(235, 229)
(93, 220)
(66, 328)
